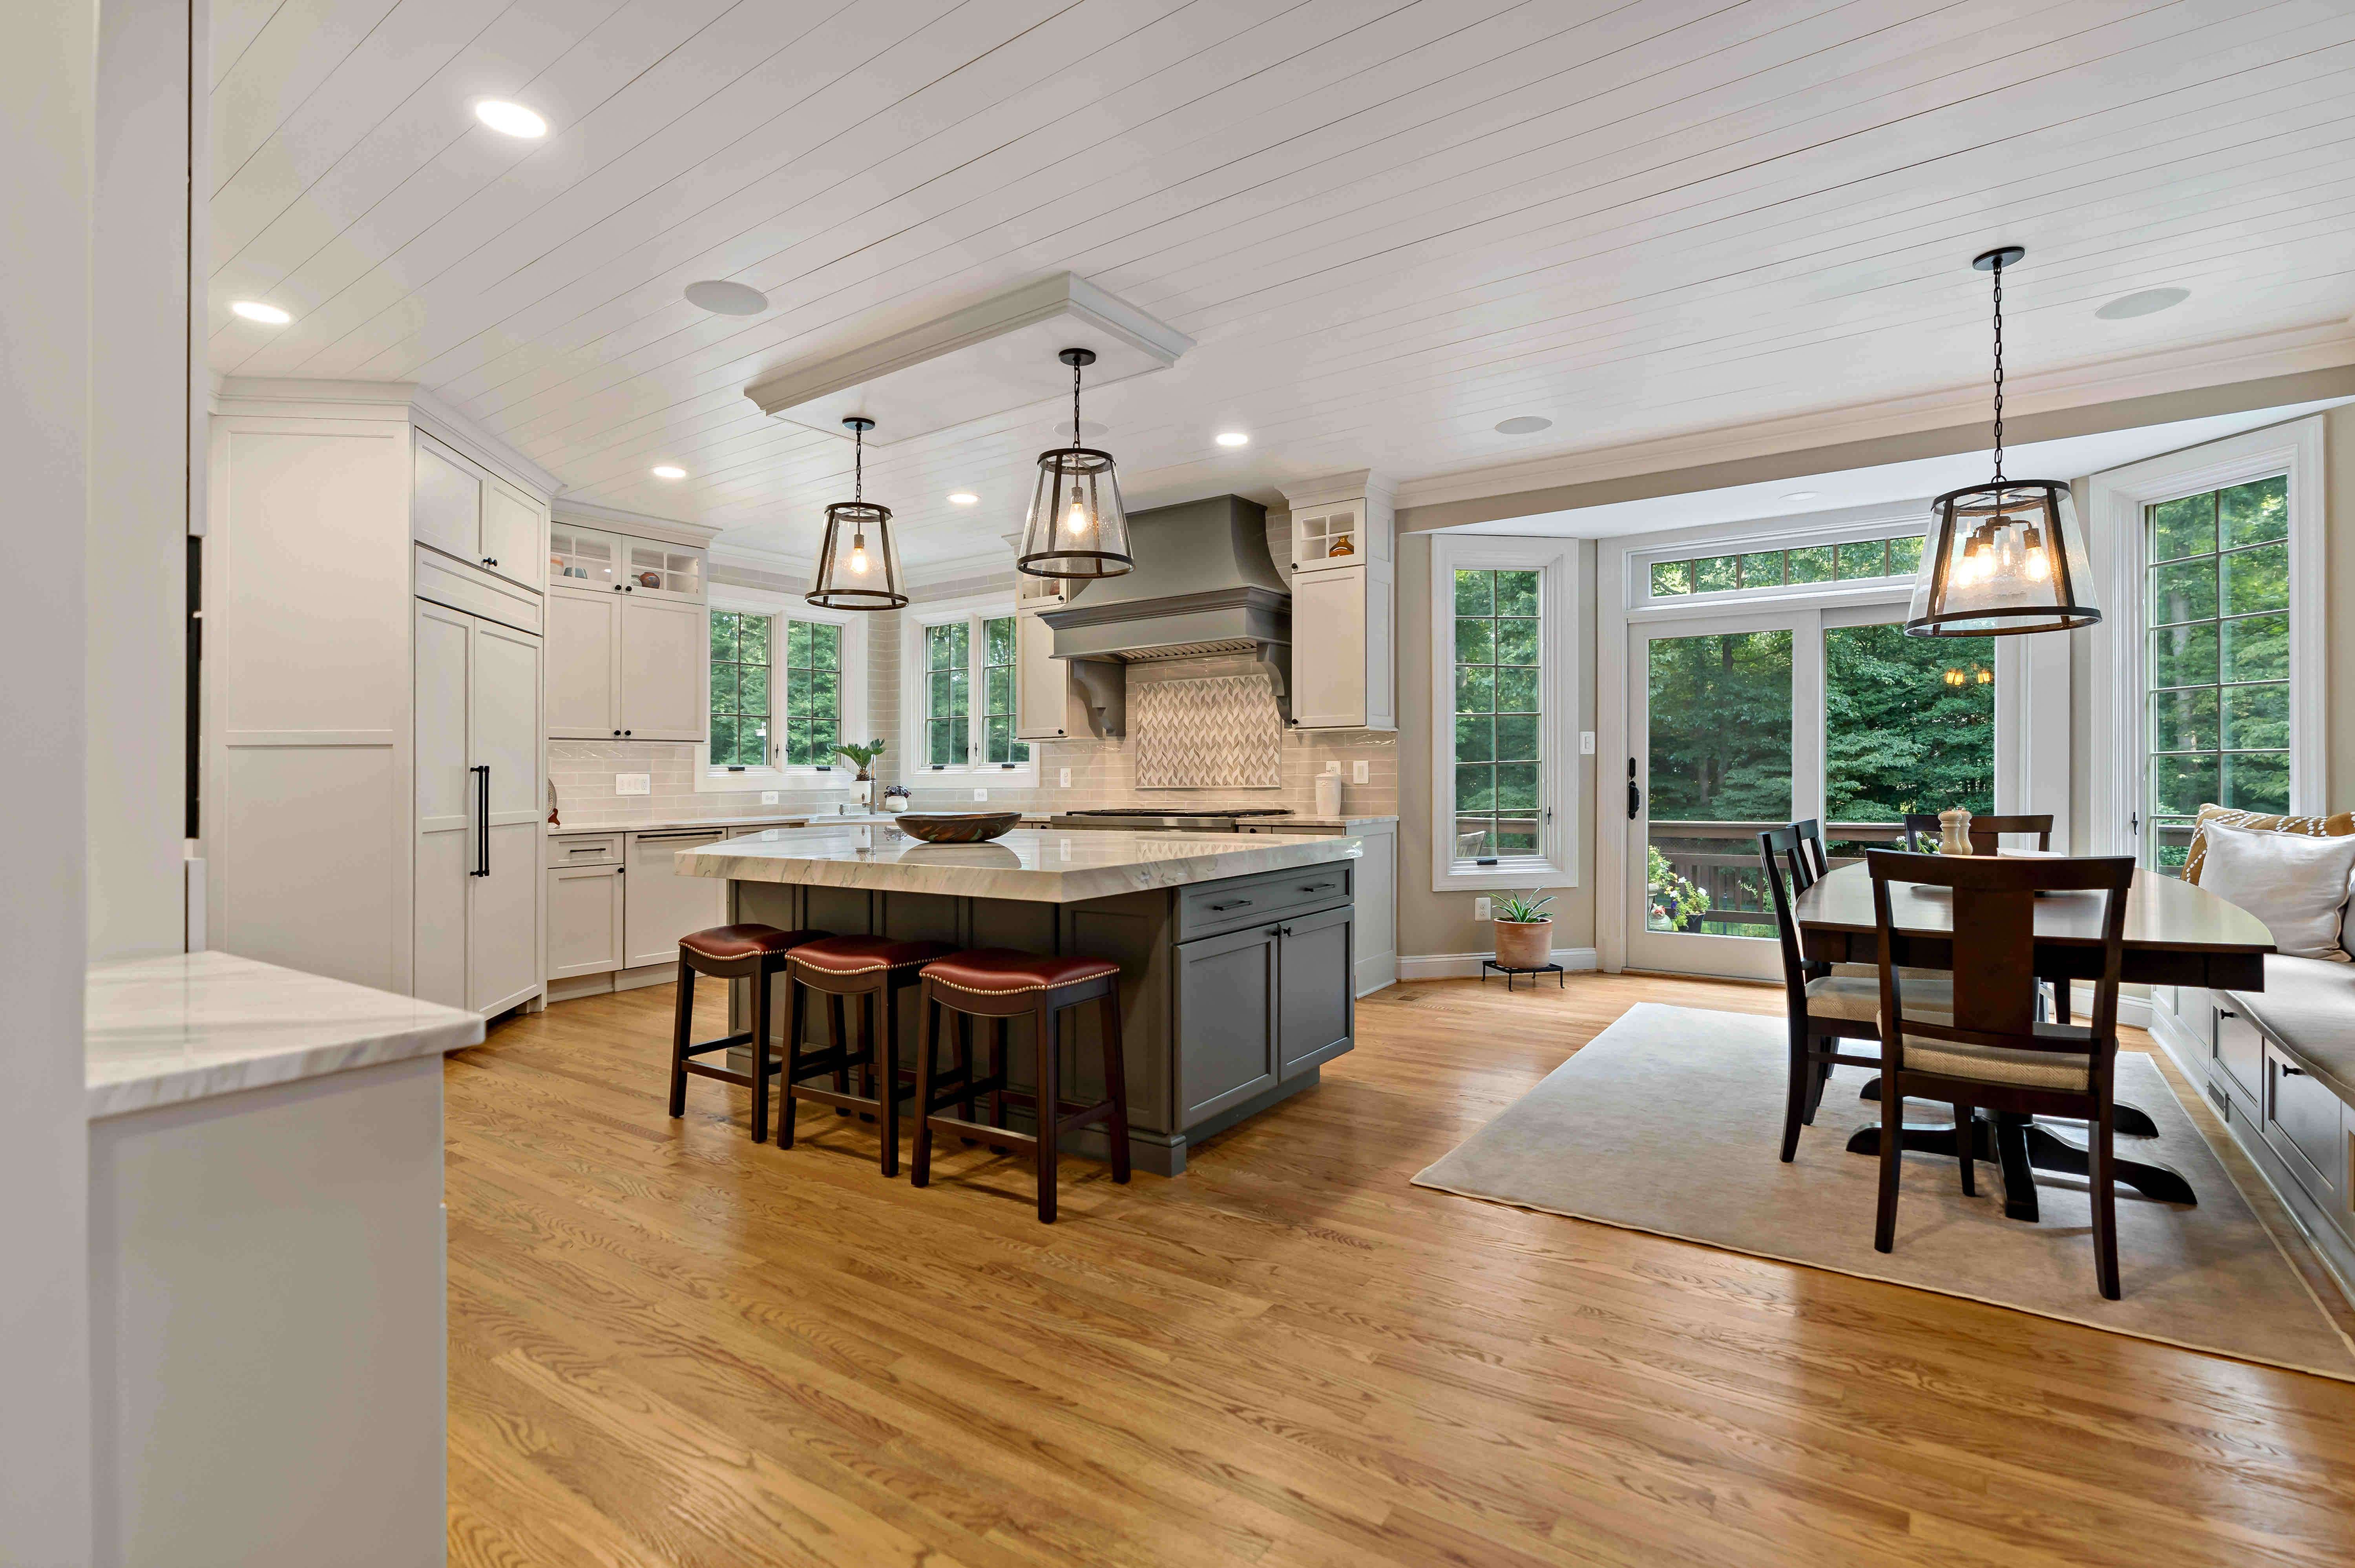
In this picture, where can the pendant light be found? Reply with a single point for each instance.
(2006, 556)
(859, 566)
(1077, 526)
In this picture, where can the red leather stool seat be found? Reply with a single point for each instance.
(1003, 971)
(865, 955)
(744, 941)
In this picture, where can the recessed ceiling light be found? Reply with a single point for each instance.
(1803, 495)
(962, 498)
(2146, 303)
(1523, 425)
(724, 298)
(1233, 439)
(510, 119)
(255, 311)
(669, 470)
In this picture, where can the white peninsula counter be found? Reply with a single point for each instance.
(1237, 951)
(267, 1285)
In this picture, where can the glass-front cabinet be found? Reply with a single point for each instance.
(582, 557)
(674, 571)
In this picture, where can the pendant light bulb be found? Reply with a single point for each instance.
(1077, 522)
(858, 554)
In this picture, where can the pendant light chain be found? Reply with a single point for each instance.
(858, 456)
(1075, 405)
(1998, 368)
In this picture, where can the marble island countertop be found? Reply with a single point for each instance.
(189, 1026)
(1030, 864)
(682, 824)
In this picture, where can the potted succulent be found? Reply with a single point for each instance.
(1524, 931)
(864, 757)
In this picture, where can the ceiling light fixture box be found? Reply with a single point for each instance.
(987, 358)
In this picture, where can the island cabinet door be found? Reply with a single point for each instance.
(1226, 1020)
(1315, 961)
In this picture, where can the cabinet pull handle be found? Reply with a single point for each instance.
(1232, 904)
(482, 818)
(2290, 1071)
(627, 732)
(1319, 886)
(2226, 1012)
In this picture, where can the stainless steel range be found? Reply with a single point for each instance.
(1170, 818)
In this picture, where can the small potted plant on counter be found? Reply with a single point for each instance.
(1524, 932)
(863, 757)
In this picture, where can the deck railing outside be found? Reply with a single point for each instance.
(1721, 859)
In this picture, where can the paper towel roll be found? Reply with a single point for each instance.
(1328, 793)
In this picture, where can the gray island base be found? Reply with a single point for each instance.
(1236, 951)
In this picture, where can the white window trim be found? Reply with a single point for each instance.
(2032, 674)
(2115, 538)
(729, 598)
(1560, 597)
(915, 620)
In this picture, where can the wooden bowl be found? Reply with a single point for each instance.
(956, 827)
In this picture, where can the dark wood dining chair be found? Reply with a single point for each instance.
(1825, 1007)
(1986, 833)
(1981, 1047)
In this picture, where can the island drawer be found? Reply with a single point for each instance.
(1212, 906)
(584, 849)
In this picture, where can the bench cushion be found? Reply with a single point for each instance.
(2309, 1006)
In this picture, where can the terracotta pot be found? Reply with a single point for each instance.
(1524, 944)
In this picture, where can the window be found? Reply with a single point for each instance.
(1856, 560)
(2217, 608)
(782, 681)
(1504, 772)
(964, 706)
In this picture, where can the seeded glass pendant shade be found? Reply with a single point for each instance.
(858, 569)
(1077, 526)
(2006, 556)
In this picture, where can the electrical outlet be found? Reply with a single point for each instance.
(1586, 743)
(1483, 909)
(981, 794)
(1063, 777)
(634, 783)
(1360, 773)
(768, 796)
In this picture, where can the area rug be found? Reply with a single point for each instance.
(1669, 1122)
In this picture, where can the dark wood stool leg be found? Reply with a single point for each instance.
(796, 995)
(681, 1034)
(1049, 1075)
(837, 1036)
(760, 1054)
(965, 1062)
(887, 1072)
(920, 1159)
(1965, 1136)
(1115, 1072)
(997, 1097)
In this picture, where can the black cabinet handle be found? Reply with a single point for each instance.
(1232, 904)
(1320, 886)
(2290, 1071)
(2226, 1012)
(483, 820)
(627, 732)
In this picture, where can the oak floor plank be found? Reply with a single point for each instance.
(672, 1345)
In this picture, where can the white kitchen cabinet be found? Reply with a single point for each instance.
(1049, 701)
(659, 905)
(584, 557)
(479, 808)
(622, 666)
(1344, 605)
(463, 509)
(585, 915)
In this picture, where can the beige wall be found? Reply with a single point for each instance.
(2339, 600)
(1441, 923)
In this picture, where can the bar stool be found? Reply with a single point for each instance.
(730, 952)
(871, 972)
(1000, 983)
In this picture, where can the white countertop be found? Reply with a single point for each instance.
(1033, 864)
(679, 824)
(189, 1026)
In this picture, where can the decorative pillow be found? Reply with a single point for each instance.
(2335, 826)
(2294, 882)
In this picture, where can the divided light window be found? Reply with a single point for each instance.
(963, 658)
(751, 666)
(1498, 717)
(1856, 561)
(2219, 659)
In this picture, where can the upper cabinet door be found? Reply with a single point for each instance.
(446, 505)
(584, 663)
(1329, 649)
(512, 529)
(666, 653)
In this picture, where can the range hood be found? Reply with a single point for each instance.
(1204, 584)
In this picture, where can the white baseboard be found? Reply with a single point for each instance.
(1455, 966)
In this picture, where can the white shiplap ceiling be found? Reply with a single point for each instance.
(1388, 226)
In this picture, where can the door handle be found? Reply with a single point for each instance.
(2290, 1071)
(1634, 794)
(482, 819)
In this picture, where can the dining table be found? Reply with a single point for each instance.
(2177, 934)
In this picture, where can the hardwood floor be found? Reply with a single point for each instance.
(669, 1345)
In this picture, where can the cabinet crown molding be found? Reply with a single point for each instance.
(638, 524)
(296, 397)
(1357, 484)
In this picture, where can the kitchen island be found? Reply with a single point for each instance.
(1236, 951)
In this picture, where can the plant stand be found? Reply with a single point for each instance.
(1509, 972)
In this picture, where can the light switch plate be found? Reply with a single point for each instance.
(768, 796)
(1586, 743)
(1360, 773)
(1483, 909)
(634, 783)
(981, 794)
(1063, 777)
